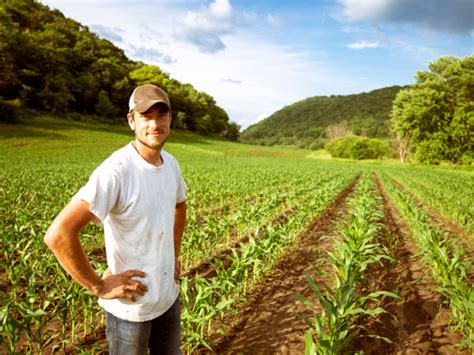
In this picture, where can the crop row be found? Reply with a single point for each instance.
(445, 257)
(207, 299)
(41, 305)
(206, 234)
(356, 248)
(451, 193)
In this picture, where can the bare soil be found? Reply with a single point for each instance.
(420, 323)
(267, 323)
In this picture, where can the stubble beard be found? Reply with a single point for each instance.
(157, 146)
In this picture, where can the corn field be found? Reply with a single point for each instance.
(248, 208)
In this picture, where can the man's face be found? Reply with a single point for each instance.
(151, 127)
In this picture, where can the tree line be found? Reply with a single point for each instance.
(53, 63)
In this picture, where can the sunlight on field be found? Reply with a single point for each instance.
(247, 206)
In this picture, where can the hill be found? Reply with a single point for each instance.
(305, 123)
(54, 64)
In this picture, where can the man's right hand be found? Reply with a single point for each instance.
(121, 286)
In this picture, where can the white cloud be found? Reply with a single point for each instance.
(150, 54)
(363, 45)
(422, 54)
(205, 28)
(437, 15)
(220, 8)
(360, 10)
(271, 77)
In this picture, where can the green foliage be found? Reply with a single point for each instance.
(354, 147)
(436, 114)
(104, 106)
(269, 195)
(233, 131)
(53, 63)
(340, 148)
(368, 148)
(305, 123)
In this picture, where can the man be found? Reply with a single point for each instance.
(138, 194)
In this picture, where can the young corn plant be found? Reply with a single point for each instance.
(206, 299)
(334, 327)
(446, 259)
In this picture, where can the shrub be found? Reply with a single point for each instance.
(355, 147)
(340, 148)
(366, 148)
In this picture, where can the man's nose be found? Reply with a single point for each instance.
(152, 124)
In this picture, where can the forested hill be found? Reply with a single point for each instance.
(51, 63)
(305, 123)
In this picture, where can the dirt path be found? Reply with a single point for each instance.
(420, 327)
(267, 324)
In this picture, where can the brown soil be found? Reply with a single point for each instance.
(420, 324)
(461, 236)
(267, 323)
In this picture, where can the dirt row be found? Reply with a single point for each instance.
(267, 323)
(417, 323)
(206, 269)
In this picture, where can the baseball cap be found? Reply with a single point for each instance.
(145, 96)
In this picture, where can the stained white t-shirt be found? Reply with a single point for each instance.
(136, 201)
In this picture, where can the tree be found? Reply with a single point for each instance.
(104, 107)
(338, 130)
(233, 131)
(436, 115)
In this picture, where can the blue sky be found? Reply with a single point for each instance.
(254, 57)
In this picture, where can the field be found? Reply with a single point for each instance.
(282, 250)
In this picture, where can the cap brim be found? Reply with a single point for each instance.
(144, 106)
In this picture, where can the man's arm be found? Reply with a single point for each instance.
(62, 238)
(179, 223)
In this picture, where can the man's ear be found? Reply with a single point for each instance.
(131, 121)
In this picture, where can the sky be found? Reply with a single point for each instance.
(255, 57)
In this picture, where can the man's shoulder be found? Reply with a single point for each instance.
(167, 156)
(118, 161)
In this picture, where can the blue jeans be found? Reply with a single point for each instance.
(161, 335)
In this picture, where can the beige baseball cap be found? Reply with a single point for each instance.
(145, 96)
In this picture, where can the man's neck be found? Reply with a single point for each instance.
(152, 156)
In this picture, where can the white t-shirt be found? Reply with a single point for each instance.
(135, 201)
